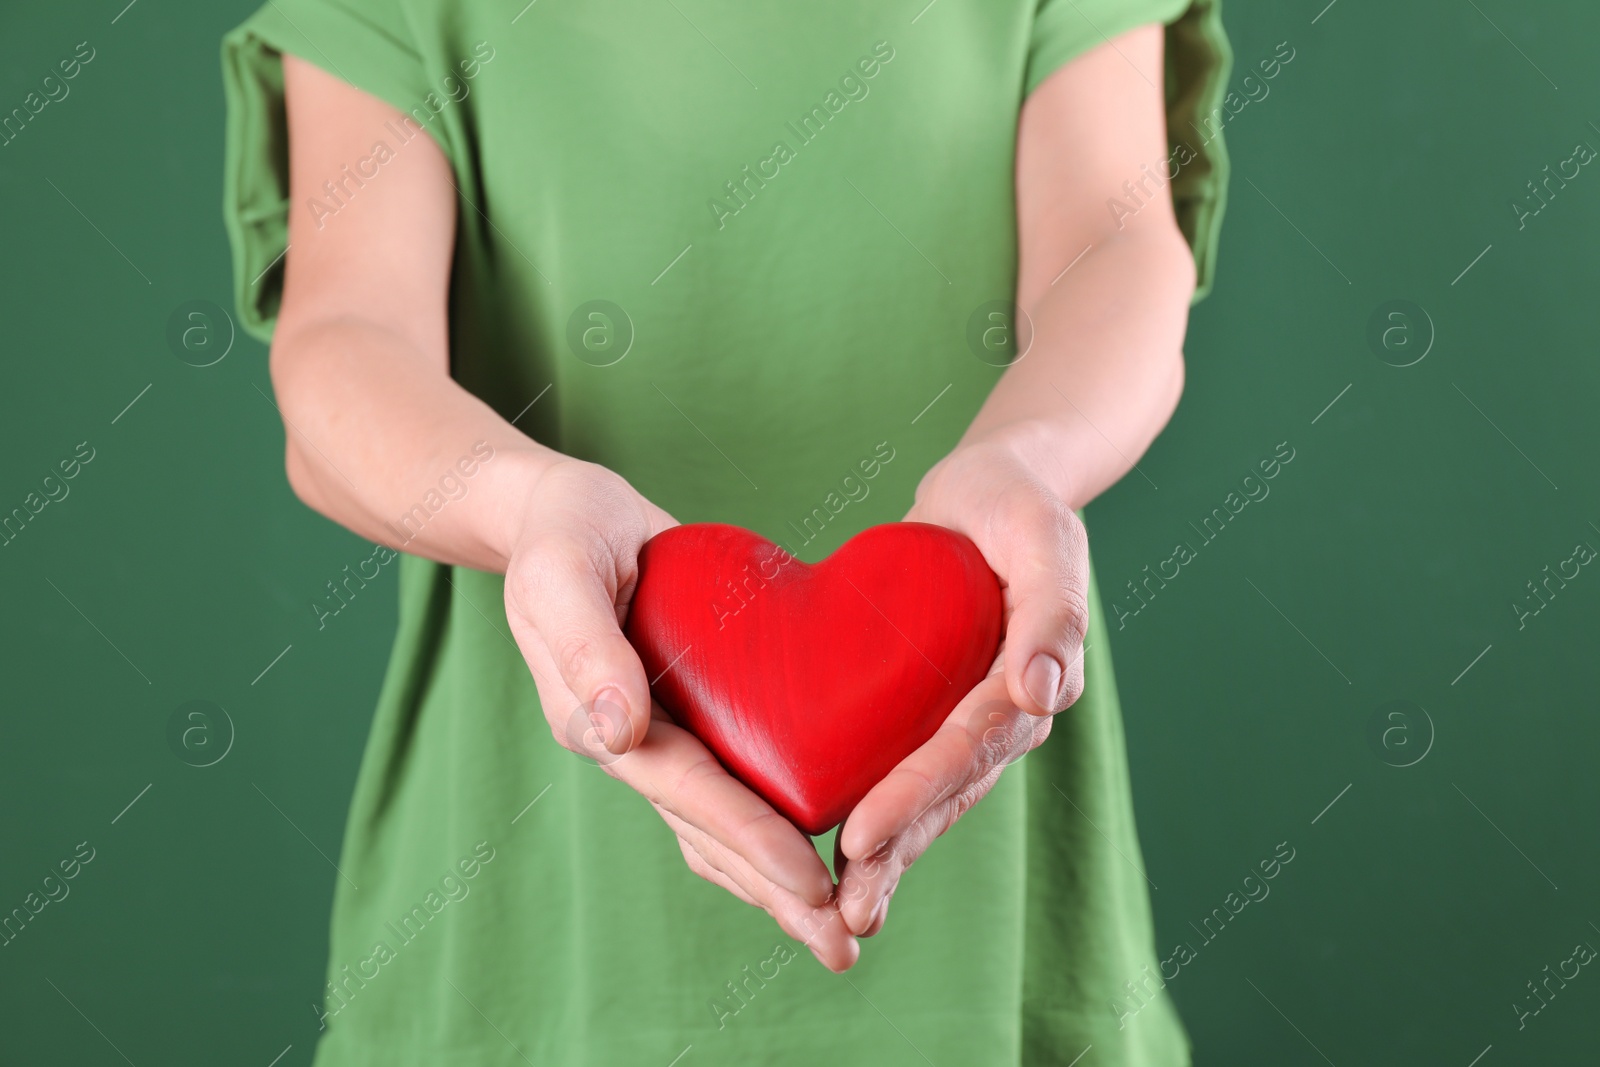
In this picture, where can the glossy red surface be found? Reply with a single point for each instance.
(810, 683)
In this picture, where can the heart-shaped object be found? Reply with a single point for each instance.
(810, 683)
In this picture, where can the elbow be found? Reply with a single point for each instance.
(1171, 258)
(1172, 370)
(1171, 250)
(1189, 277)
(300, 472)
(1175, 381)
(302, 482)
(1164, 250)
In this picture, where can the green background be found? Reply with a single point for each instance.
(1382, 566)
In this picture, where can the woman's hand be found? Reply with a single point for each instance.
(572, 572)
(991, 490)
(1108, 300)
(361, 371)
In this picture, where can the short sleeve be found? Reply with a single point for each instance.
(366, 43)
(1198, 60)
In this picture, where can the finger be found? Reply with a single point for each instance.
(733, 871)
(983, 731)
(568, 590)
(578, 727)
(820, 929)
(924, 796)
(880, 916)
(674, 771)
(700, 866)
(868, 884)
(856, 879)
(855, 886)
(1045, 568)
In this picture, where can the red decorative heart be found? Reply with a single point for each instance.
(810, 683)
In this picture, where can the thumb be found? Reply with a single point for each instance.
(1048, 582)
(571, 602)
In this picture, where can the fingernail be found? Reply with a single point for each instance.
(619, 735)
(1042, 680)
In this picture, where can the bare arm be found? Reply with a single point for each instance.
(360, 356)
(1064, 422)
(1106, 365)
(360, 364)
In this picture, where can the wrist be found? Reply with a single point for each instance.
(1041, 449)
(509, 486)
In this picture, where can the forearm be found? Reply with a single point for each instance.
(1105, 368)
(381, 441)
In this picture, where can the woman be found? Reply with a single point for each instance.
(542, 282)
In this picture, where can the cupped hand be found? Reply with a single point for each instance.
(1035, 543)
(570, 579)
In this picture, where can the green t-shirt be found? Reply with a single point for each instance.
(740, 253)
